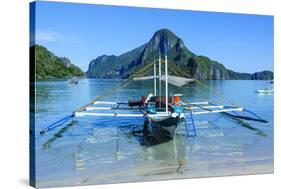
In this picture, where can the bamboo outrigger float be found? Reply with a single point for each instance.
(162, 114)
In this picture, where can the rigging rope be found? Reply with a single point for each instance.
(204, 85)
(141, 72)
(175, 71)
(179, 72)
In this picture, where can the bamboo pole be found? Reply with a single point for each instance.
(166, 84)
(160, 80)
(154, 77)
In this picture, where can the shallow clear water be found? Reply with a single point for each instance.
(94, 150)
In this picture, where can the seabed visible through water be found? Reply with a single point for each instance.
(101, 151)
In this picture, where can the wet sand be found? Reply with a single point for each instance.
(163, 170)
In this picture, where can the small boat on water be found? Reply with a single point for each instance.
(162, 114)
(73, 80)
(265, 90)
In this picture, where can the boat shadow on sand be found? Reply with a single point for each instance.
(137, 132)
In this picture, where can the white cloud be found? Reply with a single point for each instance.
(48, 36)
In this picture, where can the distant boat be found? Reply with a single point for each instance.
(265, 90)
(271, 82)
(73, 80)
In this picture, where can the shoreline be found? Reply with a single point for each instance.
(147, 172)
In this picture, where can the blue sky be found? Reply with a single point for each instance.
(81, 32)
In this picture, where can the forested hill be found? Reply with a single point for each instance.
(48, 65)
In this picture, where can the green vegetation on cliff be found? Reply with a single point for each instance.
(201, 67)
(49, 65)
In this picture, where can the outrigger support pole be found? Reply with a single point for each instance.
(159, 79)
(166, 84)
(57, 124)
(154, 77)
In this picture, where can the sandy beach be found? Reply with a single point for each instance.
(152, 171)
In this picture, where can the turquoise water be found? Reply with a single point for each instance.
(95, 150)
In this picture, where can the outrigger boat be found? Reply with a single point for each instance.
(162, 114)
(265, 90)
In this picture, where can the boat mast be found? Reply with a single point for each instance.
(159, 79)
(154, 76)
(166, 78)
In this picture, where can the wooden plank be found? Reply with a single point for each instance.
(194, 103)
(198, 107)
(104, 102)
(107, 114)
(89, 108)
(98, 108)
(109, 103)
(218, 111)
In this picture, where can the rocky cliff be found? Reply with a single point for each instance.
(164, 40)
(264, 75)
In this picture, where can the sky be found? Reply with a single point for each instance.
(82, 32)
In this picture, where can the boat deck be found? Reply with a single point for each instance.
(122, 109)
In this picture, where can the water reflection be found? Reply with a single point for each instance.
(173, 151)
(58, 134)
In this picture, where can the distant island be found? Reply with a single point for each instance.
(49, 66)
(198, 67)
